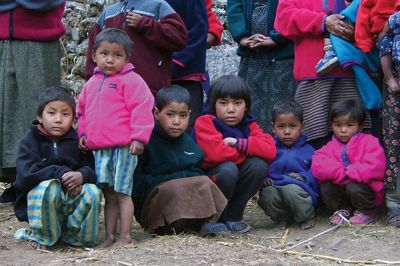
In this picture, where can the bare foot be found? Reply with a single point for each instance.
(36, 245)
(307, 224)
(123, 241)
(282, 225)
(107, 243)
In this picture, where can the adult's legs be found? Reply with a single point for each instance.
(195, 89)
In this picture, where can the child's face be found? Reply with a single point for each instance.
(110, 57)
(57, 118)
(287, 128)
(344, 127)
(230, 111)
(173, 118)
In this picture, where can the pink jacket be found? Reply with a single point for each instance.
(367, 163)
(114, 111)
(303, 22)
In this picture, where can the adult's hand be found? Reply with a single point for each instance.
(335, 25)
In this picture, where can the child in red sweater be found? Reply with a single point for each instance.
(236, 149)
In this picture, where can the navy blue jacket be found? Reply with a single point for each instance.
(192, 59)
(39, 159)
(294, 159)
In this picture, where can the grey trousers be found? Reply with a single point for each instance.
(393, 195)
(283, 203)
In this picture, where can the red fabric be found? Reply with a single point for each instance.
(32, 25)
(303, 21)
(214, 25)
(261, 144)
(371, 17)
(153, 44)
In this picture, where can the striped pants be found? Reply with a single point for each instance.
(53, 214)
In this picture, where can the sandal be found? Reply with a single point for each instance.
(213, 229)
(393, 218)
(239, 227)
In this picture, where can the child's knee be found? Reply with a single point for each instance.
(228, 172)
(92, 193)
(258, 166)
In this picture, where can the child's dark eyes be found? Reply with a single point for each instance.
(184, 115)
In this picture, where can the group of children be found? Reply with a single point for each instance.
(120, 131)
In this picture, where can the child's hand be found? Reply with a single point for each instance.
(75, 191)
(72, 180)
(393, 85)
(82, 143)
(136, 147)
(211, 40)
(268, 182)
(133, 19)
(230, 141)
(297, 176)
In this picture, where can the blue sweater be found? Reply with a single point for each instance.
(192, 59)
(294, 159)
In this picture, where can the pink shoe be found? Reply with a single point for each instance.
(341, 216)
(363, 217)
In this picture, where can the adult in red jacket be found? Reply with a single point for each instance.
(29, 62)
(305, 22)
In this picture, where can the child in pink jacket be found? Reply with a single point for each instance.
(351, 167)
(115, 121)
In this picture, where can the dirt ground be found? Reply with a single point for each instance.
(373, 244)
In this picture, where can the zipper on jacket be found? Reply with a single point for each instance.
(55, 148)
(11, 25)
(102, 81)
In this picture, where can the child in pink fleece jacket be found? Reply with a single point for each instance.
(351, 167)
(115, 121)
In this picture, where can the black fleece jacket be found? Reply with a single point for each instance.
(39, 158)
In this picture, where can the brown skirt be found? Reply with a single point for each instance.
(185, 198)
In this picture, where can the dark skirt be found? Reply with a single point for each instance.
(26, 69)
(189, 198)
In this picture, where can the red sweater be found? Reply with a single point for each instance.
(260, 144)
(214, 25)
(371, 17)
(303, 22)
(25, 24)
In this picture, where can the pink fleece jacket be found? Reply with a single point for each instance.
(367, 163)
(115, 110)
(303, 22)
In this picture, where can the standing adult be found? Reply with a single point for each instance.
(29, 62)
(305, 22)
(266, 57)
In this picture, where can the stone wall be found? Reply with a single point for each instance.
(79, 17)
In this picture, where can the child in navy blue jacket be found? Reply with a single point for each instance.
(290, 192)
(54, 185)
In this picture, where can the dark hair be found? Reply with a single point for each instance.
(113, 35)
(53, 94)
(287, 106)
(173, 93)
(354, 108)
(229, 86)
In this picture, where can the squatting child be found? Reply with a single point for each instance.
(53, 183)
(350, 167)
(236, 150)
(115, 121)
(171, 192)
(291, 191)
